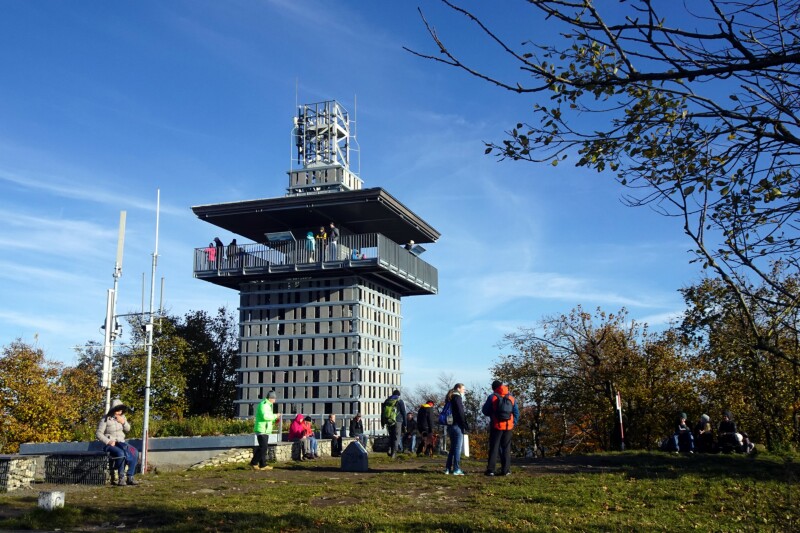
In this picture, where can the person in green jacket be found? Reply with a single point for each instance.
(262, 428)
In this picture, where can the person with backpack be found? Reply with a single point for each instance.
(456, 428)
(393, 417)
(426, 427)
(502, 409)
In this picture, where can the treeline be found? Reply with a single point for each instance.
(192, 374)
(568, 370)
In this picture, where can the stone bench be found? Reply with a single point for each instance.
(82, 468)
(16, 472)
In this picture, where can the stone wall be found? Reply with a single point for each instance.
(16, 472)
(280, 453)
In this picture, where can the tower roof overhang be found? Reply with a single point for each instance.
(361, 211)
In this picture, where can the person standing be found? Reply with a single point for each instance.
(456, 430)
(393, 416)
(330, 431)
(111, 432)
(503, 418)
(333, 239)
(262, 427)
(426, 425)
(322, 239)
(410, 434)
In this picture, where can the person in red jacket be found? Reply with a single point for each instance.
(500, 431)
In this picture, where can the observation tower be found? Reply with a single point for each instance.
(320, 321)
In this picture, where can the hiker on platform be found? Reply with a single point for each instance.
(393, 416)
(502, 409)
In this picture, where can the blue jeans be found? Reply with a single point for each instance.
(683, 442)
(121, 457)
(456, 443)
(410, 442)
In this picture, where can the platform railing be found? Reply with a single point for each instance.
(309, 254)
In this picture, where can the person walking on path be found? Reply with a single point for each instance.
(503, 418)
(456, 430)
(393, 417)
(265, 418)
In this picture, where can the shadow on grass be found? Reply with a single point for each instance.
(661, 465)
(202, 519)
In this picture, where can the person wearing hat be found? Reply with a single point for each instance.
(297, 433)
(501, 428)
(310, 247)
(111, 432)
(682, 439)
(262, 427)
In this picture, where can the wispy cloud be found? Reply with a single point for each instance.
(76, 189)
(661, 319)
(496, 289)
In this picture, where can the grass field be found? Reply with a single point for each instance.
(621, 491)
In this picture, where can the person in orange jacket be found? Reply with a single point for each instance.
(503, 419)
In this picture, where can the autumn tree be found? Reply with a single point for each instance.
(568, 371)
(695, 112)
(762, 391)
(33, 402)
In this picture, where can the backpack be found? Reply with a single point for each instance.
(446, 416)
(390, 412)
(504, 408)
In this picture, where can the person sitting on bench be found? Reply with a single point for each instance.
(111, 431)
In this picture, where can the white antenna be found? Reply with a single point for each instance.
(111, 330)
(149, 332)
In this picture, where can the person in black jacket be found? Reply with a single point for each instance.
(410, 434)
(357, 429)
(457, 430)
(329, 431)
(426, 427)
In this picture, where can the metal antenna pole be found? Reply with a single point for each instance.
(149, 331)
(111, 319)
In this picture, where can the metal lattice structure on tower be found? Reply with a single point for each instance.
(323, 141)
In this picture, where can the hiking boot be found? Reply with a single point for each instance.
(132, 482)
(491, 474)
(507, 473)
(265, 467)
(254, 467)
(121, 482)
(458, 472)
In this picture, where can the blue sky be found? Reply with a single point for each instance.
(102, 103)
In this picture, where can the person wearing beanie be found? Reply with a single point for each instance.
(500, 431)
(393, 418)
(111, 432)
(262, 427)
(682, 439)
(704, 435)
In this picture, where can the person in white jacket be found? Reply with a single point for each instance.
(111, 431)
